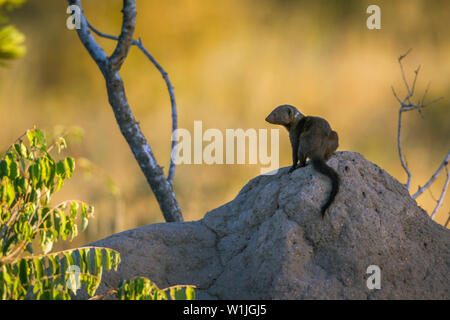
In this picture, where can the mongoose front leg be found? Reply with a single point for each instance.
(294, 162)
(295, 144)
(302, 159)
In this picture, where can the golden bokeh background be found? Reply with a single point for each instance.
(231, 62)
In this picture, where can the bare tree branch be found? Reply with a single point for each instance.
(96, 52)
(406, 105)
(116, 95)
(403, 73)
(126, 35)
(169, 88)
(400, 152)
(441, 198)
(433, 177)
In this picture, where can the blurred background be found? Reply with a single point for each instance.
(231, 62)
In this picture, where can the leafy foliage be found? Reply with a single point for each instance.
(29, 177)
(11, 40)
(143, 289)
(54, 276)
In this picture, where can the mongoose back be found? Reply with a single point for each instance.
(311, 137)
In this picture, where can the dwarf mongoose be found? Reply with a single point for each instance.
(311, 137)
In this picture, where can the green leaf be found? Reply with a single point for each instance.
(46, 241)
(59, 220)
(37, 139)
(59, 183)
(31, 137)
(69, 163)
(173, 293)
(11, 43)
(47, 197)
(116, 259)
(61, 144)
(99, 258)
(190, 293)
(73, 209)
(34, 172)
(51, 173)
(21, 186)
(84, 217)
(45, 169)
(3, 169)
(10, 193)
(6, 275)
(24, 269)
(108, 261)
(60, 168)
(84, 263)
(21, 150)
(68, 259)
(34, 195)
(12, 170)
(38, 267)
(55, 264)
(27, 232)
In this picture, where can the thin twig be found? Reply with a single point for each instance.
(432, 195)
(416, 72)
(103, 296)
(433, 177)
(396, 96)
(403, 73)
(126, 35)
(400, 152)
(431, 102)
(441, 198)
(19, 139)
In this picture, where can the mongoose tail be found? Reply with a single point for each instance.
(321, 166)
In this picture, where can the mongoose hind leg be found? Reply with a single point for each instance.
(291, 169)
(294, 162)
(302, 158)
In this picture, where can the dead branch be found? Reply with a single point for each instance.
(433, 177)
(441, 198)
(405, 106)
(110, 67)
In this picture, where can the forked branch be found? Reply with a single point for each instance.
(407, 105)
(110, 66)
(138, 43)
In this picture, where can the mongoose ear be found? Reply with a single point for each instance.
(289, 111)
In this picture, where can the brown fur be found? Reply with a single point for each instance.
(311, 137)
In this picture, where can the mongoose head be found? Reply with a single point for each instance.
(284, 115)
